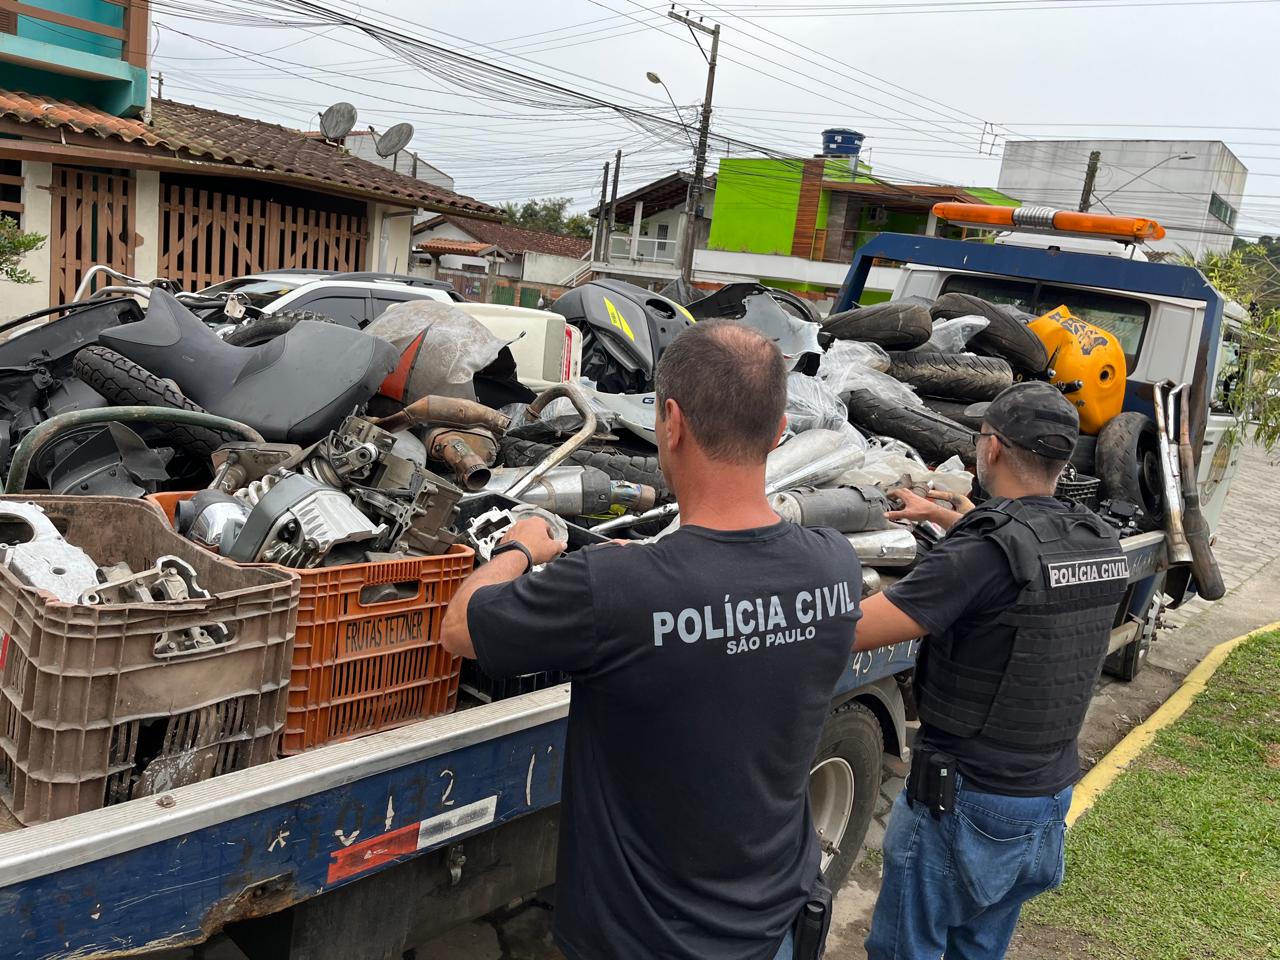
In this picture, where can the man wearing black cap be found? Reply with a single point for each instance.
(1016, 606)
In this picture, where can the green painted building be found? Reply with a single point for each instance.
(797, 223)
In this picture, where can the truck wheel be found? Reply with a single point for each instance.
(952, 376)
(125, 383)
(269, 327)
(843, 785)
(618, 465)
(1128, 661)
(936, 437)
(899, 326)
(1006, 336)
(1127, 460)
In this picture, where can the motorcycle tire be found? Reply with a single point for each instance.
(952, 376)
(258, 332)
(936, 437)
(957, 410)
(618, 464)
(125, 383)
(1006, 336)
(896, 325)
(1127, 461)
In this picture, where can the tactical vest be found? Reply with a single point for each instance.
(1072, 576)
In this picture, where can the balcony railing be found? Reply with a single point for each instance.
(67, 30)
(625, 246)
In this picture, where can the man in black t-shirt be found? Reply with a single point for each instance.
(703, 667)
(1016, 606)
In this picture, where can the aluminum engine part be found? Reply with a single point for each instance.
(238, 464)
(890, 549)
(872, 582)
(576, 491)
(170, 579)
(849, 509)
(210, 516)
(352, 452)
(297, 522)
(35, 552)
(485, 530)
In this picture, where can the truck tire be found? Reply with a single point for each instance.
(269, 327)
(1127, 662)
(957, 410)
(125, 383)
(936, 437)
(896, 325)
(1006, 336)
(844, 783)
(617, 464)
(952, 376)
(1127, 461)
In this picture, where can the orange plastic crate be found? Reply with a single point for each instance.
(367, 654)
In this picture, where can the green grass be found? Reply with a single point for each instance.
(1180, 858)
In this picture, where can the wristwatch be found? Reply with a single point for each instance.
(513, 545)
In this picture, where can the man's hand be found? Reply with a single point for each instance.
(535, 534)
(931, 509)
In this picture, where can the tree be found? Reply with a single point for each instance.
(14, 244)
(1250, 276)
(548, 215)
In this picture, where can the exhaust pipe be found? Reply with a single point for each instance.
(1204, 566)
(1179, 549)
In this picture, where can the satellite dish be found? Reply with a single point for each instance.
(337, 121)
(394, 140)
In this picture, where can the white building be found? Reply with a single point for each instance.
(363, 144)
(1194, 188)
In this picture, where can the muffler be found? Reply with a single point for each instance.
(895, 547)
(849, 509)
(1204, 566)
(1179, 549)
(575, 491)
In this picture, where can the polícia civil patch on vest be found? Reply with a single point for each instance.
(1071, 573)
(756, 623)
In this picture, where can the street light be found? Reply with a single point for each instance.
(1161, 163)
(654, 78)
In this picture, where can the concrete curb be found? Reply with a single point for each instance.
(1105, 771)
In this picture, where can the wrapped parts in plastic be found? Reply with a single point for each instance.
(812, 404)
(953, 335)
(814, 457)
(441, 349)
(886, 468)
(845, 353)
(860, 379)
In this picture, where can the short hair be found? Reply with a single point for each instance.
(1031, 467)
(730, 382)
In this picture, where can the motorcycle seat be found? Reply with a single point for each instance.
(294, 389)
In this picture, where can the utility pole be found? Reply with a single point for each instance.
(613, 205)
(600, 217)
(1090, 175)
(694, 196)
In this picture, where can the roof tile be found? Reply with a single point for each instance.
(519, 239)
(226, 138)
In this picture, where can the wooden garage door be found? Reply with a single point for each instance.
(207, 236)
(91, 221)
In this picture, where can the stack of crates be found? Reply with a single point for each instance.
(90, 715)
(367, 655)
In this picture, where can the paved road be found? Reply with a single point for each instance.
(1249, 555)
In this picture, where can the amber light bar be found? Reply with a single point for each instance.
(1048, 220)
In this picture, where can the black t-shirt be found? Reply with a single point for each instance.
(961, 586)
(703, 667)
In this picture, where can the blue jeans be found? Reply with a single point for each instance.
(955, 885)
(785, 951)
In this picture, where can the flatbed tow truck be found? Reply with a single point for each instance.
(363, 849)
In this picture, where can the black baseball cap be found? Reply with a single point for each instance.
(1037, 417)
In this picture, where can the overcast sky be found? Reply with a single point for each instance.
(921, 79)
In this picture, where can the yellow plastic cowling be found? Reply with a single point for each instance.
(1080, 351)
